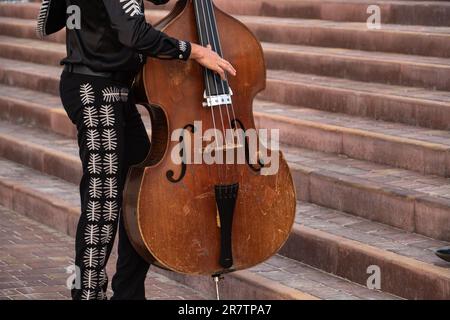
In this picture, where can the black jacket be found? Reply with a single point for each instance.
(113, 35)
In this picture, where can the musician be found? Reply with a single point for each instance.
(103, 57)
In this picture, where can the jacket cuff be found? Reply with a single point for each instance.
(184, 48)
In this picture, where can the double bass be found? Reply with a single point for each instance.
(206, 218)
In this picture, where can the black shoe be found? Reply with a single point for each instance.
(444, 253)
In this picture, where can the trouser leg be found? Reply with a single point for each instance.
(98, 108)
(128, 282)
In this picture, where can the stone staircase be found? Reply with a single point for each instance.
(364, 118)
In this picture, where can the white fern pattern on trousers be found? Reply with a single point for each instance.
(93, 139)
(91, 234)
(90, 279)
(91, 258)
(109, 139)
(107, 115)
(101, 295)
(107, 233)
(87, 94)
(90, 116)
(110, 211)
(132, 7)
(103, 168)
(111, 94)
(95, 187)
(110, 163)
(95, 164)
(102, 277)
(103, 256)
(93, 211)
(88, 294)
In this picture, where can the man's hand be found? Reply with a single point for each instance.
(211, 60)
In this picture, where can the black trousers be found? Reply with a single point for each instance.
(111, 138)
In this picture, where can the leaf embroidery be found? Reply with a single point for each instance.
(88, 294)
(94, 164)
(109, 139)
(90, 116)
(90, 259)
(42, 18)
(110, 187)
(95, 187)
(107, 233)
(103, 257)
(107, 115)
(90, 279)
(111, 94)
(93, 139)
(91, 234)
(102, 278)
(93, 211)
(132, 7)
(110, 210)
(87, 94)
(101, 295)
(182, 45)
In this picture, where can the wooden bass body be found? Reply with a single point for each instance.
(178, 216)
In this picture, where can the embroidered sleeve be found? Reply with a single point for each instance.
(51, 18)
(127, 17)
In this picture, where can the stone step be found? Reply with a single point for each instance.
(380, 67)
(403, 146)
(26, 28)
(379, 189)
(413, 106)
(397, 145)
(432, 13)
(409, 70)
(35, 259)
(409, 105)
(417, 40)
(395, 12)
(35, 108)
(50, 148)
(421, 202)
(427, 152)
(349, 246)
(31, 50)
(53, 202)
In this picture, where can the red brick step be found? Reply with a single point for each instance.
(395, 12)
(418, 71)
(417, 40)
(402, 146)
(53, 197)
(277, 269)
(299, 126)
(34, 261)
(421, 203)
